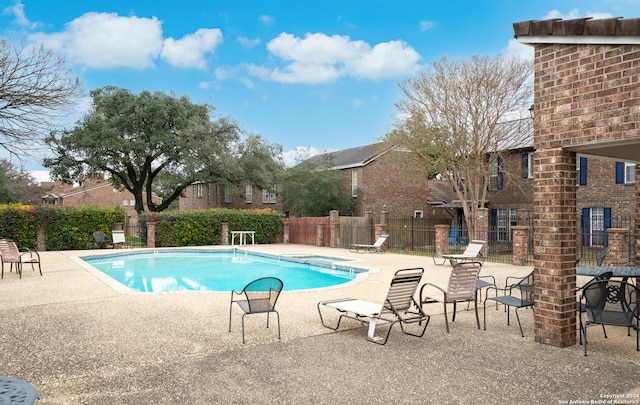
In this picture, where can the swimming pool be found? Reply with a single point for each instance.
(217, 270)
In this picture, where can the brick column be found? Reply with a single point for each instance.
(224, 233)
(334, 228)
(637, 233)
(482, 229)
(41, 240)
(442, 239)
(618, 247)
(554, 209)
(320, 235)
(151, 234)
(368, 223)
(285, 232)
(520, 245)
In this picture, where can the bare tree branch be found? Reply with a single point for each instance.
(36, 90)
(458, 117)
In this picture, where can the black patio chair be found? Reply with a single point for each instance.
(258, 297)
(611, 302)
(518, 295)
(582, 306)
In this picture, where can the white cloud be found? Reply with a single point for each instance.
(248, 43)
(106, 40)
(299, 154)
(41, 175)
(319, 58)
(266, 19)
(190, 50)
(426, 25)
(17, 10)
(574, 13)
(515, 48)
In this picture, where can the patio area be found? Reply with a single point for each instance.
(79, 341)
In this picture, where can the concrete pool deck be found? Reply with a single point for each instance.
(80, 341)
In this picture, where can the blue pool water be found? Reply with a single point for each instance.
(198, 270)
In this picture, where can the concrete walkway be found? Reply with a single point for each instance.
(80, 341)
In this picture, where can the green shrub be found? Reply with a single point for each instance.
(203, 227)
(64, 228)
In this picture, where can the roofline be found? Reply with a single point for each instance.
(84, 190)
(579, 39)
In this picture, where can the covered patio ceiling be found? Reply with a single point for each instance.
(627, 150)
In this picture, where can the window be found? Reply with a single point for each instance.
(227, 195)
(527, 165)
(418, 214)
(503, 219)
(199, 190)
(595, 222)
(354, 183)
(125, 203)
(625, 173)
(495, 179)
(248, 191)
(581, 171)
(132, 202)
(269, 195)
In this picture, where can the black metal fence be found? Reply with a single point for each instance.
(134, 234)
(417, 236)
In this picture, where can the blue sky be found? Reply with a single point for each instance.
(314, 74)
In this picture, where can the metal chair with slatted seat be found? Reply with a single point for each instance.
(463, 287)
(399, 306)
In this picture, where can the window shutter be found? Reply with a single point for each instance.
(586, 226)
(582, 181)
(607, 223)
(619, 172)
(494, 224)
(500, 179)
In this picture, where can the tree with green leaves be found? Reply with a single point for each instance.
(17, 185)
(156, 143)
(459, 117)
(37, 90)
(312, 191)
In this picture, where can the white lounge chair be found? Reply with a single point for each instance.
(399, 306)
(470, 254)
(377, 247)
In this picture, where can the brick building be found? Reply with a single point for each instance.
(586, 103)
(205, 195)
(386, 178)
(93, 191)
(605, 196)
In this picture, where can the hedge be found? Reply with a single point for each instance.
(203, 227)
(64, 228)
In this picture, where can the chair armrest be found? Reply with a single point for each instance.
(493, 279)
(515, 278)
(30, 252)
(499, 289)
(434, 286)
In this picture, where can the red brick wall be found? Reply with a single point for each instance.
(601, 190)
(96, 192)
(213, 197)
(583, 93)
(393, 180)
